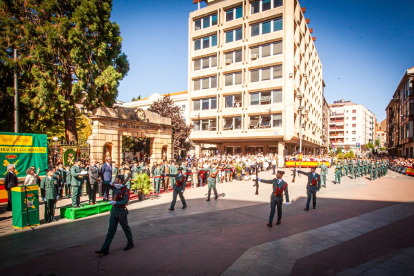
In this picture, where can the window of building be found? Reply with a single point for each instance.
(268, 97)
(267, 50)
(234, 57)
(266, 27)
(264, 74)
(205, 125)
(183, 107)
(205, 104)
(205, 22)
(353, 118)
(265, 121)
(233, 79)
(234, 35)
(233, 101)
(205, 42)
(205, 83)
(264, 5)
(232, 123)
(354, 111)
(353, 125)
(234, 13)
(353, 139)
(204, 63)
(353, 132)
(277, 120)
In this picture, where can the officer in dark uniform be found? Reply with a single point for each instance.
(118, 214)
(49, 191)
(68, 180)
(178, 188)
(276, 198)
(313, 186)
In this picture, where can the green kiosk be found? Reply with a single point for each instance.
(25, 200)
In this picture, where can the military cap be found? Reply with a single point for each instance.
(49, 169)
(78, 160)
(281, 172)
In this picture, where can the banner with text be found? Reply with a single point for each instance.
(23, 150)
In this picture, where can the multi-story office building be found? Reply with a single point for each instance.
(248, 63)
(179, 98)
(325, 124)
(400, 116)
(350, 124)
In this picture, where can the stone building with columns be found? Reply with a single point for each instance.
(110, 124)
(248, 62)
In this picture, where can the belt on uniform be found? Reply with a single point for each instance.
(121, 206)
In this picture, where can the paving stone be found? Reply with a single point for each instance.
(349, 272)
(276, 271)
(403, 258)
(260, 268)
(241, 265)
(376, 272)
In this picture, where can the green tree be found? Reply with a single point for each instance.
(181, 132)
(377, 143)
(338, 150)
(136, 99)
(69, 54)
(351, 154)
(369, 146)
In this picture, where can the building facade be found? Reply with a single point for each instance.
(400, 116)
(325, 124)
(248, 62)
(351, 124)
(381, 133)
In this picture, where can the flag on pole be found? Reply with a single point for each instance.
(333, 146)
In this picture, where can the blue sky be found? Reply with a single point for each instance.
(365, 47)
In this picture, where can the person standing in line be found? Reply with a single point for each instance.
(49, 192)
(68, 180)
(338, 172)
(276, 198)
(324, 171)
(77, 174)
(94, 179)
(106, 173)
(157, 178)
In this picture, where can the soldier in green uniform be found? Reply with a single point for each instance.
(378, 168)
(178, 188)
(324, 171)
(372, 170)
(118, 214)
(49, 192)
(68, 180)
(211, 180)
(134, 169)
(126, 173)
(351, 168)
(115, 171)
(313, 186)
(78, 176)
(57, 176)
(141, 166)
(62, 173)
(276, 198)
(173, 170)
(338, 172)
(157, 178)
(345, 167)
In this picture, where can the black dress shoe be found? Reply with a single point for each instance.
(216, 197)
(128, 247)
(185, 206)
(269, 224)
(306, 209)
(277, 223)
(314, 207)
(102, 252)
(208, 199)
(171, 209)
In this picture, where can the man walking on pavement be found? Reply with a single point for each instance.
(178, 188)
(313, 186)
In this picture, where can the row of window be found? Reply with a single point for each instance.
(235, 101)
(261, 51)
(262, 74)
(236, 13)
(234, 123)
(237, 34)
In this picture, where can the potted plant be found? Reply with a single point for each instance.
(141, 184)
(239, 168)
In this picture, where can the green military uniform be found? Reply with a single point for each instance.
(314, 185)
(178, 189)
(58, 177)
(118, 214)
(127, 183)
(324, 172)
(49, 192)
(276, 199)
(345, 167)
(77, 183)
(351, 168)
(372, 171)
(157, 179)
(173, 170)
(211, 182)
(68, 186)
(338, 172)
(386, 166)
(115, 171)
(134, 171)
(378, 167)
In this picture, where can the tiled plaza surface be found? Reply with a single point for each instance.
(360, 227)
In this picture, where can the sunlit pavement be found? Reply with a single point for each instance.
(358, 227)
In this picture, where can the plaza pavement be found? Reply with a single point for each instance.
(359, 227)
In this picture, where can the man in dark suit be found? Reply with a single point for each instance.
(106, 174)
(93, 181)
(10, 181)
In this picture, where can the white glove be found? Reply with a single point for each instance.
(118, 186)
(57, 197)
(287, 203)
(182, 191)
(44, 199)
(84, 172)
(111, 183)
(112, 202)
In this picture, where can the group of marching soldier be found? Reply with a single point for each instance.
(358, 167)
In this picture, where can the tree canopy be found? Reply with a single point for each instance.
(69, 56)
(181, 131)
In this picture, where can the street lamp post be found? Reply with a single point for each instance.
(55, 139)
(304, 113)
